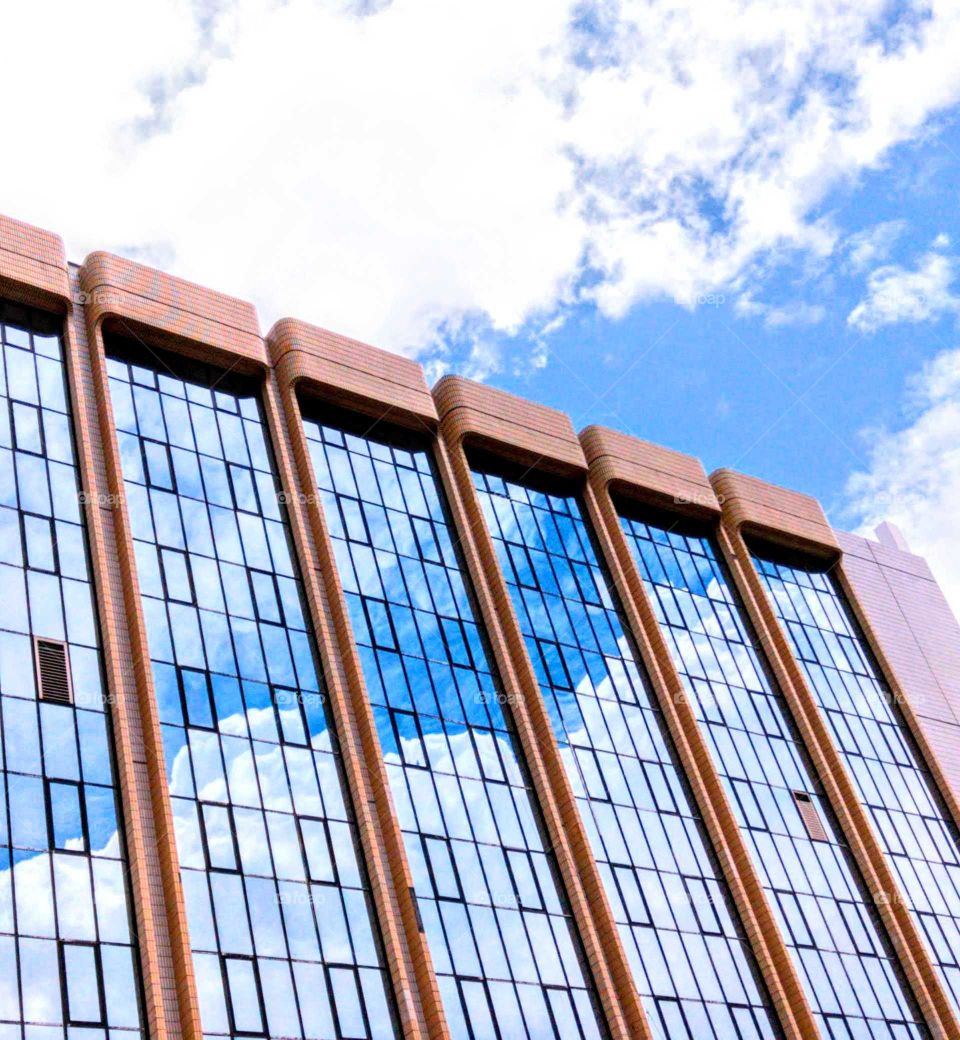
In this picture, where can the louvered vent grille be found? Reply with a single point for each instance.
(53, 671)
(810, 816)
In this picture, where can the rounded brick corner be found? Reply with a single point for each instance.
(648, 473)
(773, 514)
(350, 374)
(33, 266)
(510, 427)
(171, 313)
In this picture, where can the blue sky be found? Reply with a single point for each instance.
(729, 228)
(792, 402)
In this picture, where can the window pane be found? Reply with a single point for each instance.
(234, 669)
(469, 818)
(63, 901)
(83, 985)
(65, 816)
(894, 784)
(244, 996)
(764, 768)
(643, 823)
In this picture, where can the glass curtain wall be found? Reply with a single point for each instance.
(894, 785)
(278, 909)
(691, 963)
(811, 880)
(68, 965)
(497, 923)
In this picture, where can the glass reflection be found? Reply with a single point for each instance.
(837, 942)
(896, 788)
(64, 906)
(690, 962)
(277, 905)
(498, 926)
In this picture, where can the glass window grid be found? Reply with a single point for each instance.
(896, 788)
(836, 939)
(281, 923)
(67, 950)
(497, 922)
(690, 960)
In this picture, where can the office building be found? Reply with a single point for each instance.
(338, 707)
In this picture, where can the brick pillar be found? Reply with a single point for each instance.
(390, 881)
(797, 521)
(546, 440)
(162, 311)
(133, 772)
(678, 482)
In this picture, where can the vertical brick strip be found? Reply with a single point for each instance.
(763, 932)
(138, 678)
(143, 860)
(409, 962)
(910, 949)
(584, 887)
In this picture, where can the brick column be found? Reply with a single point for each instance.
(519, 431)
(795, 521)
(678, 484)
(329, 367)
(33, 270)
(140, 829)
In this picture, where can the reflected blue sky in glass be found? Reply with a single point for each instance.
(690, 961)
(496, 920)
(61, 885)
(280, 923)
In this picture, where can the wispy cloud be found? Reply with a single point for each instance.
(913, 477)
(393, 169)
(797, 312)
(897, 294)
(873, 244)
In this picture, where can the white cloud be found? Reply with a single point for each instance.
(774, 317)
(895, 294)
(873, 244)
(404, 170)
(913, 477)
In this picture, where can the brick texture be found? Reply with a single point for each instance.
(133, 773)
(351, 374)
(568, 839)
(916, 639)
(662, 468)
(408, 956)
(649, 473)
(520, 431)
(168, 312)
(785, 517)
(33, 265)
(465, 408)
(129, 629)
